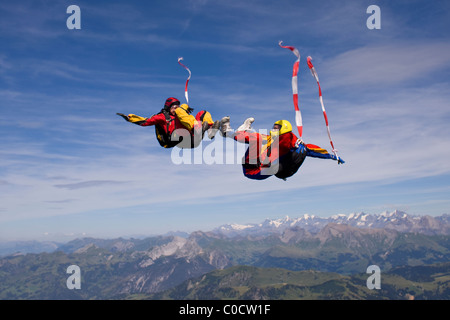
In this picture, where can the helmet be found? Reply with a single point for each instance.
(170, 102)
(285, 128)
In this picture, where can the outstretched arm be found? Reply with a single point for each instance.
(318, 152)
(141, 121)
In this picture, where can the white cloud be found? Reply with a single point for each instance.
(387, 103)
(388, 138)
(387, 64)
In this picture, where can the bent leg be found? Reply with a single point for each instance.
(204, 116)
(208, 123)
(185, 118)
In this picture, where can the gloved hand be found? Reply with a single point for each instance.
(123, 116)
(298, 143)
(133, 118)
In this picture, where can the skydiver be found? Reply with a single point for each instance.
(280, 153)
(175, 126)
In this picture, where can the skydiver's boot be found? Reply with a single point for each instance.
(225, 127)
(213, 129)
(247, 125)
(205, 127)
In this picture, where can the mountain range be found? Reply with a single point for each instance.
(253, 283)
(396, 220)
(335, 251)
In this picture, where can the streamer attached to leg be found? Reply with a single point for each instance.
(187, 81)
(298, 115)
(316, 76)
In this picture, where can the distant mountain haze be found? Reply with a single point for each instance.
(317, 257)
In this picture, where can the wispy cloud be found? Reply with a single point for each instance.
(384, 65)
(65, 152)
(88, 184)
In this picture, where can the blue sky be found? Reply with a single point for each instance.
(71, 167)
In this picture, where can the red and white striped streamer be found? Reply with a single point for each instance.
(298, 115)
(187, 81)
(316, 76)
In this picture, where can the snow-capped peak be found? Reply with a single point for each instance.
(397, 220)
